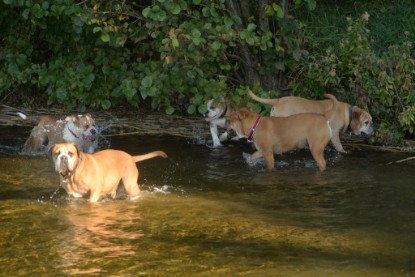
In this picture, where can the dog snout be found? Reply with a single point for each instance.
(93, 131)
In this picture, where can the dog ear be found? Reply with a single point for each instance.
(242, 114)
(78, 150)
(49, 154)
(70, 118)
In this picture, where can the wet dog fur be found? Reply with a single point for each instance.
(51, 129)
(277, 135)
(345, 117)
(99, 174)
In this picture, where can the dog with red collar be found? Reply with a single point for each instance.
(50, 130)
(277, 135)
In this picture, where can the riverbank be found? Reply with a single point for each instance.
(117, 123)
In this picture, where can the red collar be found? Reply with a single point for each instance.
(73, 134)
(251, 134)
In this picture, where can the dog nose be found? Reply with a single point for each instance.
(93, 131)
(64, 158)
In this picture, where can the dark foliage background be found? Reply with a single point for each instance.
(173, 55)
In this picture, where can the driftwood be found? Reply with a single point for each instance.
(401, 161)
(117, 123)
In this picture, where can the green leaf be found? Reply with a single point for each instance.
(191, 109)
(105, 37)
(106, 104)
(146, 12)
(37, 11)
(195, 33)
(216, 45)
(169, 110)
(25, 14)
(228, 22)
(175, 9)
(251, 27)
(147, 82)
(96, 29)
(202, 109)
(175, 42)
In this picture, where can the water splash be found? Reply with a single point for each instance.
(103, 142)
(198, 138)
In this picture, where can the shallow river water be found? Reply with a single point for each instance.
(204, 212)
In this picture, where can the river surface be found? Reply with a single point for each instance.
(204, 212)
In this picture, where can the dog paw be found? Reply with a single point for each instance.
(224, 136)
(247, 158)
(216, 145)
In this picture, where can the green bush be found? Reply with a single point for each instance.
(383, 85)
(171, 54)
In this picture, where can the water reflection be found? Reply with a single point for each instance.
(97, 232)
(206, 213)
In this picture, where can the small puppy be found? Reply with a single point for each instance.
(345, 117)
(216, 114)
(276, 135)
(51, 129)
(97, 174)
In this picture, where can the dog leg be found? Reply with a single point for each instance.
(130, 184)
(335, 139)
(214, 133)
(224, 136)
(269, 159)
(318, 155)
(254, 156)
(94, 197)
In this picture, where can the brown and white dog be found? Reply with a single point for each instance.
(80, 129)
(345, 117)
(277, 135)
(97, 174)
(217, 112)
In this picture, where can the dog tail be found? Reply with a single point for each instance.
(150, 155)
(329, 114)
(262, 100)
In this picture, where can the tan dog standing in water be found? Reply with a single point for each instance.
(98, 174)
(345, 117)
(276, 135)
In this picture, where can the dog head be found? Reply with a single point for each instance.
(215, 109)
(235, 121)
(81, 127)
(66, 157)
(361, 122)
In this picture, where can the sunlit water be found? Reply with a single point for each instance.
(204, 212)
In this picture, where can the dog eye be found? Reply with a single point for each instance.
(366, 122)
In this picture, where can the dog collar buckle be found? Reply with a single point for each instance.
(251, 134)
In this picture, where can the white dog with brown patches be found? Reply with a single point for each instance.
(80, 129)
(217, 112)
(98, 174)
(345, 117)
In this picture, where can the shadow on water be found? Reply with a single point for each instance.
(204, 212)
